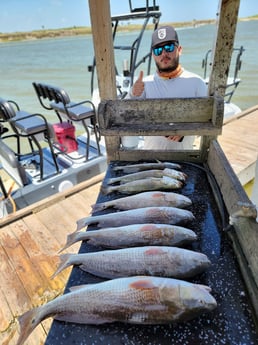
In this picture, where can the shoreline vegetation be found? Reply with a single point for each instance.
(75, 31)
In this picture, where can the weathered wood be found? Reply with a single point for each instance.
(245, 233)
(228, 182)
(224, 42)
(182, 116)
(138, 155)
(239, 141)
(29, 244)
(162, 116)
(103, 47)
(41, 205)
(245, 242)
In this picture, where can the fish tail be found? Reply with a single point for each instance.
(81, 223)
(71, 239)
(98, 207)
(64, 263)
(28, 322)
(106, 189)
(112, 180)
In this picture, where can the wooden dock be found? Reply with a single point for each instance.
(29, 243)
(239, 141)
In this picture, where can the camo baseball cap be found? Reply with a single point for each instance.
(164, 34)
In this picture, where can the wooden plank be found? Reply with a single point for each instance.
(239, 142)
(223, 47)
(21, 262)
(36, 207)
(103, 47)
(44, 258)
(229, 184)
(167, 155)
(58, 220)
(186, 116)
(245, 233)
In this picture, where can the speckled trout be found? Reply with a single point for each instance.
(156, 215)
(130, 168)
(149, 173)
(133, 300)
(134, 235)
(145, 199)
(146, 184)
(149, 260)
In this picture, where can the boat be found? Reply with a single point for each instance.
(43, 158)
(233, 79)
(73, 168)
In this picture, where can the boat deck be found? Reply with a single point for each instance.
(29, 245)
(239, 141)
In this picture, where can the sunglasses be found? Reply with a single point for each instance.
(169, 48)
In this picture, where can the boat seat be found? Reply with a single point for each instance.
(57, 99)
(34, 127)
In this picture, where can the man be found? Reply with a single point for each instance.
(169, 81)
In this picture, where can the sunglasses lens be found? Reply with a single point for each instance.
(169, 48)
(157, 51)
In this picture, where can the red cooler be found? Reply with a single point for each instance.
(65, 134)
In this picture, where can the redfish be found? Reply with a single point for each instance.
(149, 173)
(133, 300)
(134, 235)
(145, 199)
(146, 184)
(151, 260)
(156, 215)
(130, 168)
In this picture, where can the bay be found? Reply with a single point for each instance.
(64, 62)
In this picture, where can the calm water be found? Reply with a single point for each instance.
(64, 62)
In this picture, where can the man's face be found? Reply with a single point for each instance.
(167, 61)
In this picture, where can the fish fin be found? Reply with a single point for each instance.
(64, 263)
(28, 322)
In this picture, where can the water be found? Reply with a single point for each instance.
(64, 62)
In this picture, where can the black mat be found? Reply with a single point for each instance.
(230, 323)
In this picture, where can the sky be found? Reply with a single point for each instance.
(28, 15)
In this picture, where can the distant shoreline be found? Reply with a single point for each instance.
(75, 31)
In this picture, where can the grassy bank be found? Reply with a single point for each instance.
(74, 31)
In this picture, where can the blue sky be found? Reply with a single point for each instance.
(27, 15)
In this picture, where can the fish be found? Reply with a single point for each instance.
(131, 168)
(145, 199)
(149, 173)
(134, 235)
(147, 184)
(132, 300)
(148, 260)
(156, 215)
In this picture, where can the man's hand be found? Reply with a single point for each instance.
(177, 138)
(138, 86)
